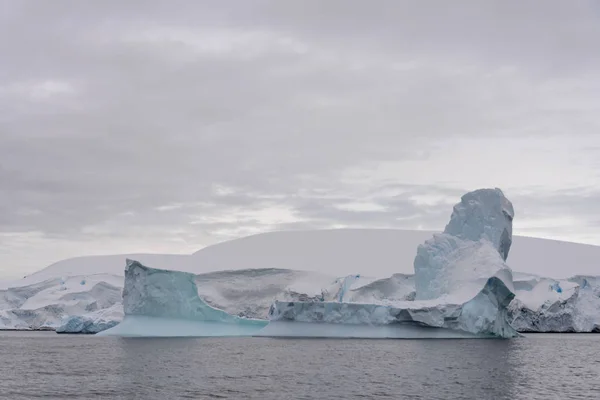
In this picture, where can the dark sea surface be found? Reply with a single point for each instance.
(50, 366)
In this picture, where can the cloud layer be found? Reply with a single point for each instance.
(166, 127)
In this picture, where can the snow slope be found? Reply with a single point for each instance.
(249, 293)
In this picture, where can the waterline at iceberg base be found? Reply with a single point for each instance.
(144, 326)
(353, 331)
(463, 288)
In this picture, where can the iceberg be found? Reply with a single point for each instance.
(462, 282)
(160, 302)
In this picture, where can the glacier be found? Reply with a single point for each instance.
(549, 305)
(46, 305)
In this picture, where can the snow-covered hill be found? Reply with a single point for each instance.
(374, 252)
(78, 286)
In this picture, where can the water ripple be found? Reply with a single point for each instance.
(48, 366)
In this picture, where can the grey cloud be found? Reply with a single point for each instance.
(582, 204)
(111, 110)
(492, 31)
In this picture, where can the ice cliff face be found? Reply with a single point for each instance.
(93, 322)
(461, 279)
(170, 294)
(160, 302)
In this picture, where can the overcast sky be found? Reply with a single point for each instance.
(167, 126)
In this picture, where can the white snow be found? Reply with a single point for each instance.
(448, 267)
(544, 292)
(71, 291)
(96, 265)
(386, 291)
(250, 293)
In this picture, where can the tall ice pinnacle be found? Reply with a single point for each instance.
(473, 247)
(484, 214)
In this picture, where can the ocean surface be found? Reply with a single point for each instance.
(50, 366)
